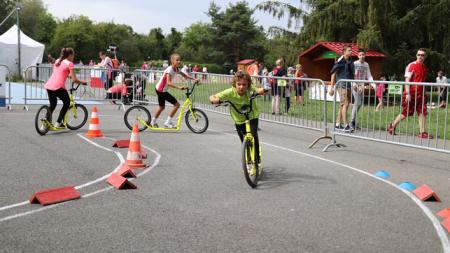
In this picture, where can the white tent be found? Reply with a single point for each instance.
(31, 51)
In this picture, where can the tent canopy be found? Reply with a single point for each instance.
(31, 51)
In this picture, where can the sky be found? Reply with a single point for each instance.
(142, 16)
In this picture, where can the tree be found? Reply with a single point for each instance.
(234, 31)
(173, 40)
(36, 22)
(155, 40)
(76, 32)
(398, 28)
(6, 6)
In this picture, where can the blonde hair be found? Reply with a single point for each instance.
(280, 62)
(241, 75)
(173, 56)
(298, 66)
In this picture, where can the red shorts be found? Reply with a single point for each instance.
(417, 103)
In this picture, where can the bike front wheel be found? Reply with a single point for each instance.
(137, 114)
(196, 120)
(43, 115)
(76, 117)
(249, 165)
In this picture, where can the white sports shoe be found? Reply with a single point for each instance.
(169, 125)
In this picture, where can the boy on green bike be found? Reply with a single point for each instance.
(239, 95)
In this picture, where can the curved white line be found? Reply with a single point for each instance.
(153, 165)
(437, 226)
(118, 154)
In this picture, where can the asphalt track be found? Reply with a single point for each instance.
(194, 197)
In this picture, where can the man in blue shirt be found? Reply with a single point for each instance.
(343, 68)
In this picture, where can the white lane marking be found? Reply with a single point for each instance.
(14, 205)
(437, 226)
(87, 195)
(118, 154)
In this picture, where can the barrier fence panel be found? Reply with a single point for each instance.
(382, 112)
(299, 102)
(5, 86)
(101, 84)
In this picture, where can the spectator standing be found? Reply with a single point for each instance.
(443, 89)
(381, 88)
(288, 89)
(362, 72)
(343, 68)
(107, 64)
(195, 69)
(50, 59)
(91, 63)
(205, 72)
(299, 84)
(277, 90)
(414, 97)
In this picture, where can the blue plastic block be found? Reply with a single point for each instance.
(407, 186)
(382, 174)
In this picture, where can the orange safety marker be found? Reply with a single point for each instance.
(120, 182)
(94, 130)
(425, 193)
(126, 171)
(446, 224)
(134, 156)
(444, 213)
(55, 195)
(121, 144)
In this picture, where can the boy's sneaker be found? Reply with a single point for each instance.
(425, 135)
(339, 127)
(391, 129)
(155, 125)
(347, 129)
(169, 125)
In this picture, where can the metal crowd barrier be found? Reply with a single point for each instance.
(372, 122)
(279, 105)
(7, 80)
(101, 84)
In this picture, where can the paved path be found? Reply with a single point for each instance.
(195, 198)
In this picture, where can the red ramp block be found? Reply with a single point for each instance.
(55, 195)
(444, 213)
(425, 193)
(126, 171)
(120, 182)
(121, 144)
(446, 224)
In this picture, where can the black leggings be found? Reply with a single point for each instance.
(254, 128)
(64, 96)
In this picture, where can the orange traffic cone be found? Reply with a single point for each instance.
(94, 130)
(134, 156)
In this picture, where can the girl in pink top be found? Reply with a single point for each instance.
(56, 83)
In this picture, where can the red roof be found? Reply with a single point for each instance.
(246, 61)
(337, 48)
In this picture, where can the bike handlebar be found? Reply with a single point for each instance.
(245, 111)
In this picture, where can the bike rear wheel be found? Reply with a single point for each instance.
(196, 120)
(42, 114)
(248, 162)
(137, 114)
(76, 118)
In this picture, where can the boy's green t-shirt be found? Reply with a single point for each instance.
(239, 101)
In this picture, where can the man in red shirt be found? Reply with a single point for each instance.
(414, 96)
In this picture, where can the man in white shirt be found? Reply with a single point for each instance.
(362, 72)
(443, 89)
